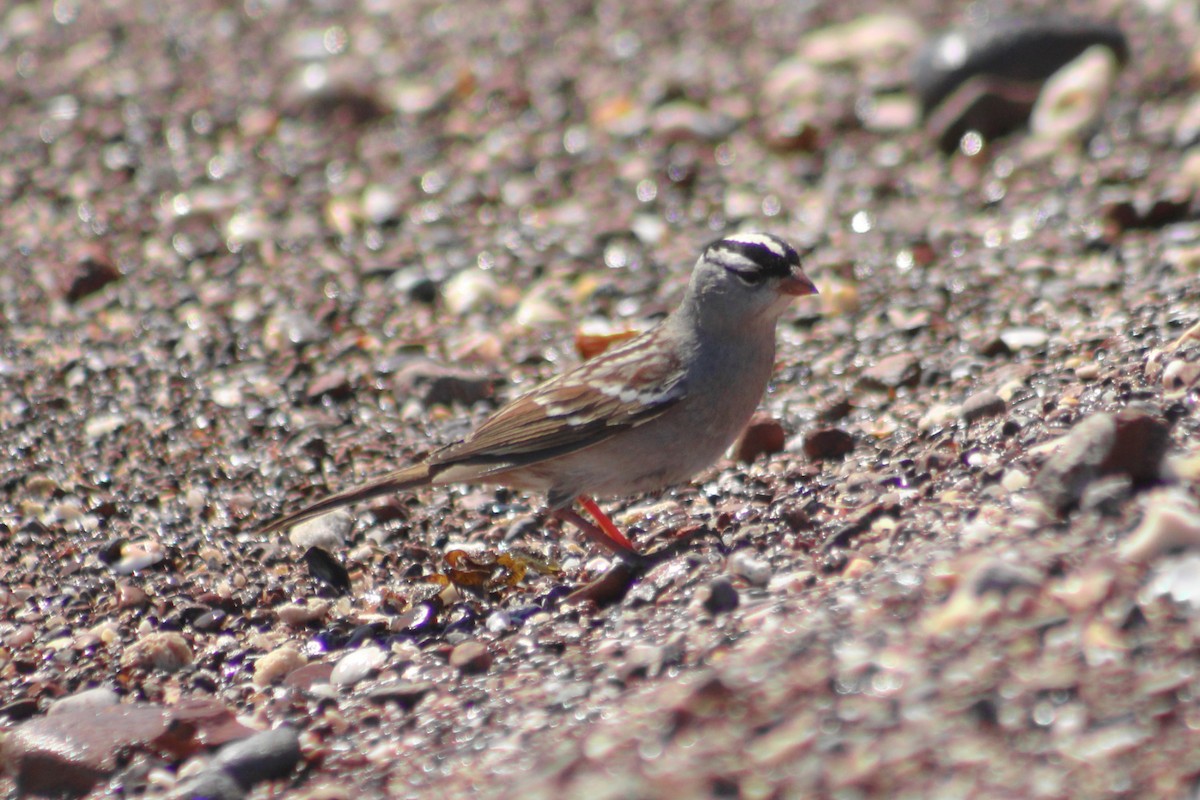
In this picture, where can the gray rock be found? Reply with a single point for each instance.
(264, 756)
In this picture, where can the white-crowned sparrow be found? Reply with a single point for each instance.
(642, 416)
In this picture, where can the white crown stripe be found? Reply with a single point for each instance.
(760, 240)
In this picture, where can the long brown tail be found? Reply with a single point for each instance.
(407, 478)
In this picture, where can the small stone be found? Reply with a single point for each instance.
(1179, 579)
(214, 723)
(764, 435)
(97, 697)
(404, 693)
(745, 564)
(381, 204)
(334, 384)
(309, 675)
(827, 443)
(262, 757)
(276, 665)
(167, 651)
(1066, 473)
(468, 290)
(892, 372)
(981, 405)
(298, 615)
(1171, 522)
(718, 596)
(92, 270)
(209, 784)
(1140, 445)
(357, 665)
(1178, 377)
(328, 531)
(471, 657)
(1015, 480)
(439, 384)
(1072, 101)
(136, 556)
(1026, 338)
(327, 569)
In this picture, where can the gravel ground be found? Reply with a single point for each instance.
(256, 253)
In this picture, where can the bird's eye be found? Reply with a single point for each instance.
(749, 277)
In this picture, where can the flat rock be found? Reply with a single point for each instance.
(892, 372)
(68, 753)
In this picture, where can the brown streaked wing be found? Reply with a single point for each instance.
(570, 413)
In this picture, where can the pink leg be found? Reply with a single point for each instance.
(604, 532)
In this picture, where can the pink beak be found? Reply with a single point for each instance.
(798, 285)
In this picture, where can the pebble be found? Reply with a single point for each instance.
(1025, 338)
(136, 556)
(214, 723)
(380, 204)
(748, 566)
(886, 38)
(357, 665)
(333, 383)
(328, 531)
(718, 596)
(1071, 103)
(827, 443)
(404, 693)
(209, 784)
(892, 372)
(1171, 522)
(468, 290)
(1179, 377)
(277, 664)
(471, 657)
(97, 697)
(90, 271)
(298, 615)
(763, 435)
(440, 384)
(982, 405)
(1179, 579)
(167, 651)
(262, 757)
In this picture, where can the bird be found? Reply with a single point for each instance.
(640, 417)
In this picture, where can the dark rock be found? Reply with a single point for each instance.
(327, 569)
(719, 596)
(764, 435)
(439, 384)
(982, 404)
(262, 757)
(334, 384)
(987, 76)
(92, 270)
(825, 443)
(404, 693)
(1142, 441)
(211, 784)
